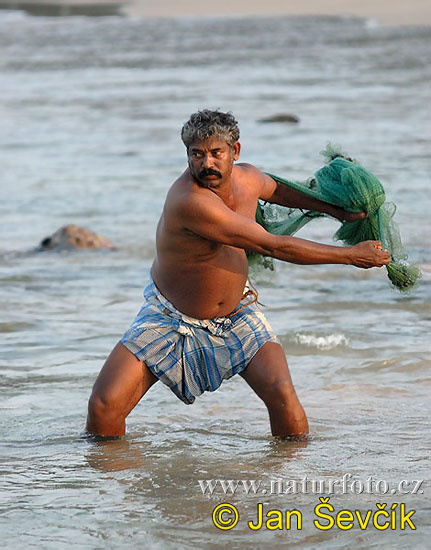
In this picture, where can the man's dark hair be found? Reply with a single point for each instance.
(205, 124)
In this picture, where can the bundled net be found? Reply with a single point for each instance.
(342, 182)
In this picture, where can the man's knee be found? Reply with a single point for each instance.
(280, 393)
(102, 407)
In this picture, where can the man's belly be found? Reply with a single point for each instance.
(203, 289)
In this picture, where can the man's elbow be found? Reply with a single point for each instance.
(255, 248)
(266, 250)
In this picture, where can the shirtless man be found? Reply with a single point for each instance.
(198, 325)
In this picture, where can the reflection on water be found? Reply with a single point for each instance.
(115, 456)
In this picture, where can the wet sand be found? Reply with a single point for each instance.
(415, 12)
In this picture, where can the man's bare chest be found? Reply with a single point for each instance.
(243, 202)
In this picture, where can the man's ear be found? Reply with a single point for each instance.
(236, 148)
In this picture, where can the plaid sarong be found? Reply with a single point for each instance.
(190, 355)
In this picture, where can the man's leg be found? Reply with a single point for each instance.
(269, 376)
(120, 385)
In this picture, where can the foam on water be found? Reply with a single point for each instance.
(322, 342)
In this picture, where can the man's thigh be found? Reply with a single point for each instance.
(123, 380)
(268, 371)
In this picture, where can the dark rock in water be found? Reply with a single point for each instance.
(64, 8)
(74, 237)
(290, 119)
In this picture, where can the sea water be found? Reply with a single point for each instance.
(91, 111)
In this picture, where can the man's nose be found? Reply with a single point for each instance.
(207, 161)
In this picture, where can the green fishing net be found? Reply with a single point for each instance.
(342, 182)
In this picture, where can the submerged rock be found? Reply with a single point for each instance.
(74, 237)
(291, 119)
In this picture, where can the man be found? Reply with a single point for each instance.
(200, 324)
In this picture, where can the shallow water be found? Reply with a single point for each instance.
(91, 111)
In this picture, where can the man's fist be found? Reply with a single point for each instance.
(369, 254)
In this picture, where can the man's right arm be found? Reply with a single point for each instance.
(278, 193)
(207, 215)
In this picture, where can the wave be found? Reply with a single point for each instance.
(328, 342)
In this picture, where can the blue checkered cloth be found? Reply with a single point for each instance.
(190, 355)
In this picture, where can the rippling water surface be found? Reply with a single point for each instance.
(91, 111)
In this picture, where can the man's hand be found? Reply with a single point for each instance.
(345, 216)
(353, 216)
(369, 254)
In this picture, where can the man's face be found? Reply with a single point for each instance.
(211, 161)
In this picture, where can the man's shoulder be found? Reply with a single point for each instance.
(246, 169)
(184, 194)
(182, 188)
(251, 179)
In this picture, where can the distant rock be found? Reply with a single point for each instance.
(286, 118)
(64, 8)
(74, 237)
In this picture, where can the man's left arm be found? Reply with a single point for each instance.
(284, 195)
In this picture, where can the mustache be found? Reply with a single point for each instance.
(209, 172)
